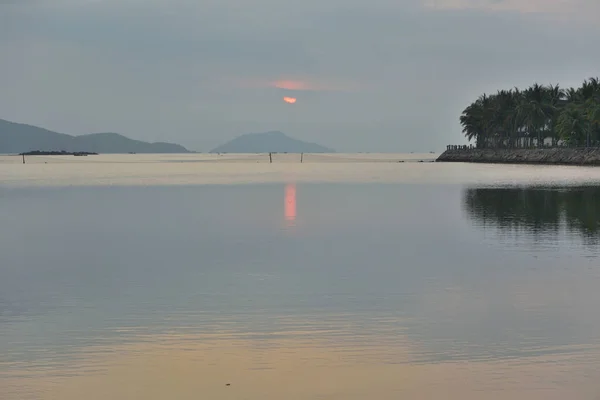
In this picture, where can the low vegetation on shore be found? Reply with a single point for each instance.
(538, 116)
(57, 153)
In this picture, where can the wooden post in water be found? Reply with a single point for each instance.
(23, 158)
(301, 157)
(270, 158)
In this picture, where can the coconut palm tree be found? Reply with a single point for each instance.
(506, 121)
(476, 121)
(534, 111)
(554, 103)
(573, 125)
(590, 89)
(571, 95)
(517, 118)
(592, 110)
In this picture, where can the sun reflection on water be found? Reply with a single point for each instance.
(290, 204)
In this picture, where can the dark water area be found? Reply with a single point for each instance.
(541, 211)
(397, 274)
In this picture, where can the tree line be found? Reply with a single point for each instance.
(535, 117)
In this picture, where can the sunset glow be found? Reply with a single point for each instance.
(292, 85)
(305, 84)
(290, 100)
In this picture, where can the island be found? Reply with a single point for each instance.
(538, 125)
(57, 153)
(269, 142)
(16, 138)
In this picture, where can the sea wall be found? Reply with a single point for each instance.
(558, 156)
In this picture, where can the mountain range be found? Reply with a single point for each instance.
(22, 138)
(16, 138)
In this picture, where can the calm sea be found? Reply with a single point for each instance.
(344, 277)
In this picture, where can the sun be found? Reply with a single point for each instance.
(289, 100)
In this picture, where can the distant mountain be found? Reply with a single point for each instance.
(276, 142)
(21, 138)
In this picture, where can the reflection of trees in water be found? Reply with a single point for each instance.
(538, 210)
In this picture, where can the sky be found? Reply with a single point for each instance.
(372, 76)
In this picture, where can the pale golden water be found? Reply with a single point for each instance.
(345, 277)
(299, 367)
(192, 169)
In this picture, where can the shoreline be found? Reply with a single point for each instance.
(549, 156)
(57, 153)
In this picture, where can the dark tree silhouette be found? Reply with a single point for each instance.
(537, 116)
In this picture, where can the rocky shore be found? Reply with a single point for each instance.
(556, 156)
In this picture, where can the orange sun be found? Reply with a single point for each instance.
(289, 100)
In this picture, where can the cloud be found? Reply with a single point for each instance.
(299, 84)
(219, 66)
(294, 85)
(563, 9)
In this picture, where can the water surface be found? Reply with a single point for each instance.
(301, 283)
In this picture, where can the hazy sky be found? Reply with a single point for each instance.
(376, 75)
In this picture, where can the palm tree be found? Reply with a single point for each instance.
(514, 118)
(534, 111)
(476, 121)
(571, 95)
(472, 123)
(592, 110)
(590, 89)
(554, 102)
(506, 120)
(573, 124)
